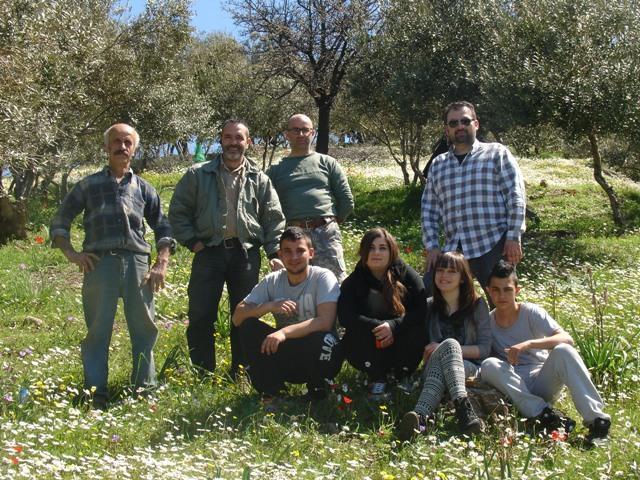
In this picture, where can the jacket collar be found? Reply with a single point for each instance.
(213, 165)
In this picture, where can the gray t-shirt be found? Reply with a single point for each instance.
(533, 322)
(321, 286)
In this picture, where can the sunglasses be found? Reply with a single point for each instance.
(464, 121)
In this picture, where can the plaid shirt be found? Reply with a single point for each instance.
(114, 213)
(477, 201)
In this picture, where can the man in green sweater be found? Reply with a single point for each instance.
(314, 194)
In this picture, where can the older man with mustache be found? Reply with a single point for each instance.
(115, 259)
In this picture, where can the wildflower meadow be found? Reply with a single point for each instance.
(577, 265)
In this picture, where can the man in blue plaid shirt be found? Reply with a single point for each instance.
(476, 191)
(115, 259)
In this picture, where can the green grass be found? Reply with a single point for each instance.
(213, 428)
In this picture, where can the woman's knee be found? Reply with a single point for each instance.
(447, 347)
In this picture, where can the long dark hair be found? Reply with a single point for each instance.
(468, 294)
(392, 290)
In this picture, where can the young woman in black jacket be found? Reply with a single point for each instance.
(382, 306)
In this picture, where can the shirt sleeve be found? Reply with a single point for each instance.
(341, 191)
(430, 214)
(72, 205)
(541, 323)
(328, 288)
(415, 303)
(348, 313)
(182, 209)
(260, 293)
(271, 218)
(483, 327)
(157, 220)
(512, 185)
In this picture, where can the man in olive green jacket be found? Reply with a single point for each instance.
(223, 210)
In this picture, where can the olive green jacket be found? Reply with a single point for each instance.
(199, 206)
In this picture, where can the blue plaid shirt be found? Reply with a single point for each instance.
(477, 201)
(114, 213)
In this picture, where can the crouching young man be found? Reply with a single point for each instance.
(302, 348)
(536, 359)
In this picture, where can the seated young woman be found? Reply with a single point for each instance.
(382, 306)
(460, 338)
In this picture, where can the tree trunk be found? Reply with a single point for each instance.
(324, 114)
(265, 152)
(597, 174)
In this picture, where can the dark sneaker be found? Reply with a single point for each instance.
(599, 429)
(411, 425)
(315, 393)
(551, 419)
(468, 421)
(378, 392)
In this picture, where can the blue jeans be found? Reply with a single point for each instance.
(118, 274)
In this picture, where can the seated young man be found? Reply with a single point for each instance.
(536, 359)
(303, 299)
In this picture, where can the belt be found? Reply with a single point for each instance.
(115, 251)
(310, 223)
(230, 243)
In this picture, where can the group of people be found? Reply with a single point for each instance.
(224, 210)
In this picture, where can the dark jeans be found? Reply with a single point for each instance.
(481, 268)
(402, 357)
(311, 359)
(211, 268)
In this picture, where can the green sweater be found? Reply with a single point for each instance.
(311, 186)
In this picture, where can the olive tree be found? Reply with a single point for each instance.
(576, 65)
(313, 43)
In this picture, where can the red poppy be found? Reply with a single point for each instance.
(556, 436)
(39, 239)
(17, 448)
(408, 249)
(14, 460)
(346, 400)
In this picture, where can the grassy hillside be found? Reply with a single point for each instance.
(575, 266)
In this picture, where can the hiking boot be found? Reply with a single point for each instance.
(411, 425)
(468, 421)
(599, 429)
(378, 392)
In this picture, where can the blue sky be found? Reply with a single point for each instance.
(208, 15)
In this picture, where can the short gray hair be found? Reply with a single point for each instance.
(134, 133)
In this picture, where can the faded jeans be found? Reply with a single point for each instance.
(118, 274)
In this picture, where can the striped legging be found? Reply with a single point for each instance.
(445, 371)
